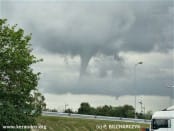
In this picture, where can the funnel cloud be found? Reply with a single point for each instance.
(101, 42)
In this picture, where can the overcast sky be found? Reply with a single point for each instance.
(90, 49)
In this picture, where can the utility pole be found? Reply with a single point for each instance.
(172, 91)
(144, 108)
(135, 99)
(66, 106)
(141, 103)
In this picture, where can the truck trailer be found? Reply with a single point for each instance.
(163, 121)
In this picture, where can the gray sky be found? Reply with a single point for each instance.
(90, 48)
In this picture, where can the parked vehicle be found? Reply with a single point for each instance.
(163, 120)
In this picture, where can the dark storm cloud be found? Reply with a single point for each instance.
(85, 28)
(112, 87)
(88, 28)
(152, 29)
(91, 29)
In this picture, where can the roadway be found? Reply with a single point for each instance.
(82, 116)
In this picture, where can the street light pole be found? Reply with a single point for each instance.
(144, 108)
(135, 100)
(172, 89)
(66, 106)
(141, 104)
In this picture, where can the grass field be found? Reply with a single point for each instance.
(77, 124)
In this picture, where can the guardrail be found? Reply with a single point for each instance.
(108, 118)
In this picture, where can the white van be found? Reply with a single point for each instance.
(163, 121)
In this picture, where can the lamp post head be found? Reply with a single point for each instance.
(172, 86)
(140, 62)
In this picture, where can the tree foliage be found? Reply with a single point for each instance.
(126, 111)
(68, 111)
(84, 108)
(20, 101)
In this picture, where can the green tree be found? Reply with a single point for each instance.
(68, 110)
(117, 111)
(104, 111)
(38, 102)
(128, 111)
(20, 101)
(84, 108)
(123, 111)
(148, 115)
(92, 111)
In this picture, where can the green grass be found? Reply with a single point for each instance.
(77, 124)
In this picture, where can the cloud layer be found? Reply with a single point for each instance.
(100, 35)
(88, 28)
